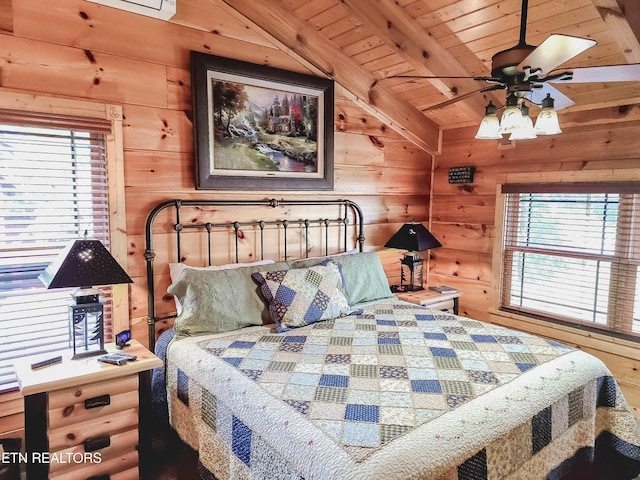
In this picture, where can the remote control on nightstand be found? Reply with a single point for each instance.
(47, 362)
(117, 358)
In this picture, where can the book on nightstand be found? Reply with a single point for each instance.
(443, 289)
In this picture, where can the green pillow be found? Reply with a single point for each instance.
(362, 273)
(215, 301)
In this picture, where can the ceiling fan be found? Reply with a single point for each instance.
(527, 71)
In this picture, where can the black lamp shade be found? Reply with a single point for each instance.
(413, 237)
(84, 263)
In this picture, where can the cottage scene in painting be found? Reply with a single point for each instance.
(259, 129)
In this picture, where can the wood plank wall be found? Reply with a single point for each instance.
(463, 216)
(78, 49)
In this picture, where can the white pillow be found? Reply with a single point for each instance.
(176, 269)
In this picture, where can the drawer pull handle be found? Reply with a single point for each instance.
(97, 402)
(96, 443)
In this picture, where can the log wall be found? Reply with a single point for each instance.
(83, 50)
(463, 217)
(80, 50)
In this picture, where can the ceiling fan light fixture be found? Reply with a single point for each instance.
(512, 116)
(524, 131)
(490, 125)
(523, 69)
(547, 121)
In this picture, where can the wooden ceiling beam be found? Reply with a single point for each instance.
(303, 42)
(631, 11)
(406, 37)
(6, 16)
(602, 116)
(622, 18)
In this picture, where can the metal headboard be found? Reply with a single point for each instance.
(351, 210)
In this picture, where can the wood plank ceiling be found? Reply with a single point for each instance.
(363, 43)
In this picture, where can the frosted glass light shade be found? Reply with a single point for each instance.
(547, 122)
(511, 120)
(489, 128)
(490, 125)
(524, 131)
(512, 116)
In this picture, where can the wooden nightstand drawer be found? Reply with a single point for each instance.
(74, 405)
(92, 419)
(447, 305)
(76, 394)
(70, 435)
(118, 444)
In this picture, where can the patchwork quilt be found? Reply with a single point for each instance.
(396, 391)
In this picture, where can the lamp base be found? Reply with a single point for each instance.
(86, 295)
(92, 353)
(405, 288)
(86, 330)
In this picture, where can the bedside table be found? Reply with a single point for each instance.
(434, 300)
(85, 418)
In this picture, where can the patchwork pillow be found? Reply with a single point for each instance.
(362, 273)
(302, 296)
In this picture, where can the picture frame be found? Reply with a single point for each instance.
(260, 128)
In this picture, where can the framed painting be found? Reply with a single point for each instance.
(260, 128)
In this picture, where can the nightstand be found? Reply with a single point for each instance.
(85, 418)
(434, 300)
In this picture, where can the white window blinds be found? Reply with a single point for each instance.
(572, 253)
(53, 188)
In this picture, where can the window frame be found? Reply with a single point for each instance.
(540, 323)
(47, 106)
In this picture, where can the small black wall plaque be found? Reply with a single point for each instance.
(461, 174)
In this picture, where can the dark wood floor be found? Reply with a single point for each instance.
(174, 461)
(589, 471)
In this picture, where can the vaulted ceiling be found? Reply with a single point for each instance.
(364, 44)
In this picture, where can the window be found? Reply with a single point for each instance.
(571, 252)
(53, 188)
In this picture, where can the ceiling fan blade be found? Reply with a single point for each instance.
(560, 99)
(436, 77)
(554, 51)
(462, 97)
(609, 73)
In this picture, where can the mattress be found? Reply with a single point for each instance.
(395, 391)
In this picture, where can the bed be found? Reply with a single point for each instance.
(307, 367)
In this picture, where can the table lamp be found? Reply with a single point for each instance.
(414, 238)
(85, 264)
